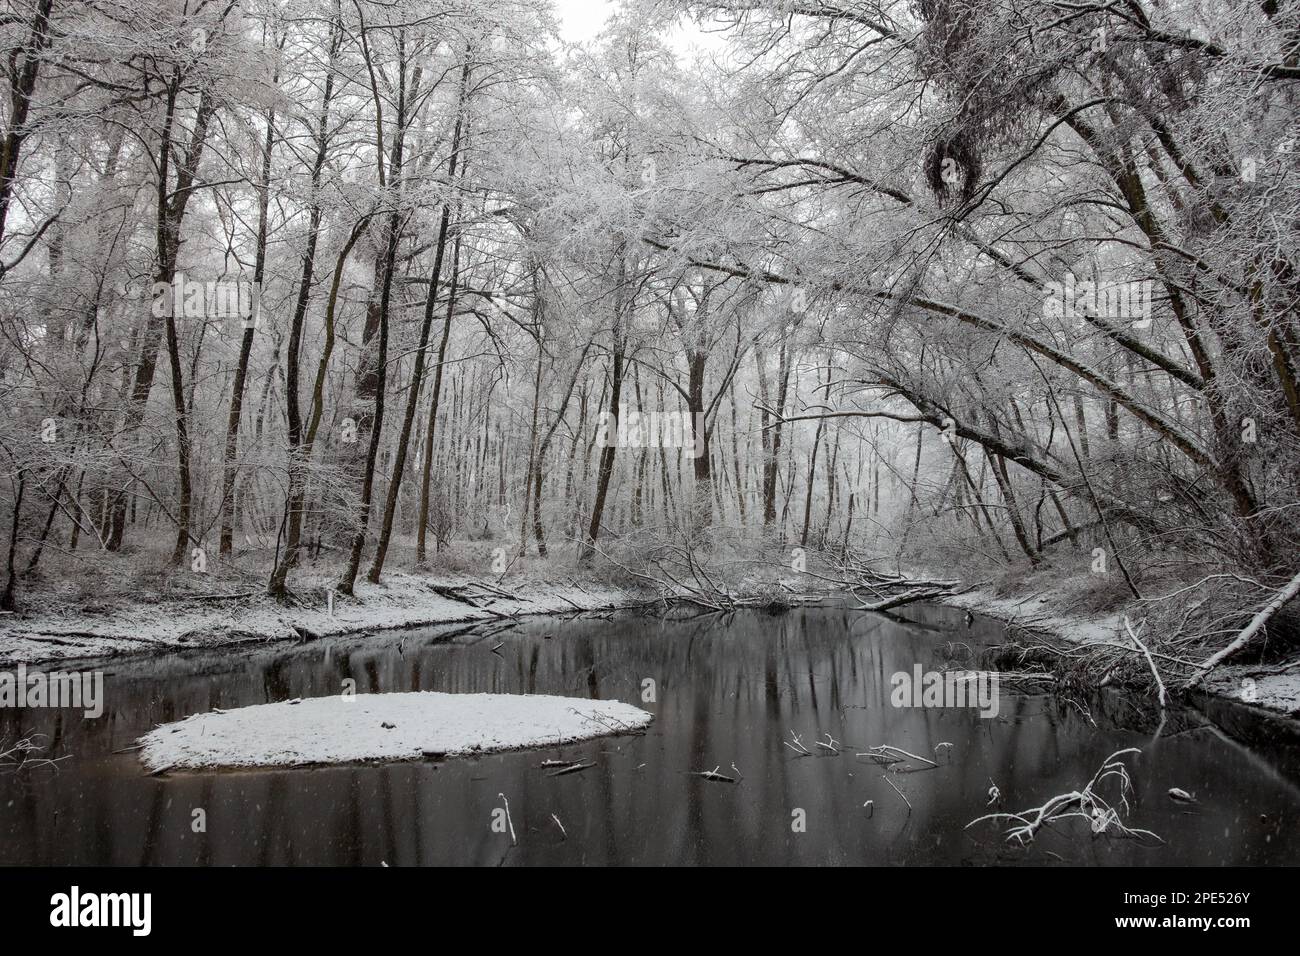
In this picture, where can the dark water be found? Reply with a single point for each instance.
(729, 691)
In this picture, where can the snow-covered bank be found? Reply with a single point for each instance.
(55, 633)
(381, 727)
(1039, 612)
(1272, 689)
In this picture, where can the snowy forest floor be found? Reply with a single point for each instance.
(132, 604)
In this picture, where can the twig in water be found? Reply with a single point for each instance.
(514, 841)
(713, 775)
(17, 756)
(886, 751)
(832, 744)
(885, 777)
(571, 768)
(797, 746)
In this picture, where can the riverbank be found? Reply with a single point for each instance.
(55, 628)
(110, 615)
(1245, 699)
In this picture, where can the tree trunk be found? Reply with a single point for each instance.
(417, 373)
(375, 374)
(606, 469)
(231, 450)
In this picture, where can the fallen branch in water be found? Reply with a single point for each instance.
(797, 746)
(1143, 648)
(1086, 804)
(907, 597)
(831, 744)
(17, 756)
(885, 777)
(714, 775)
(571, 768)
(514, 841)
(887, 752)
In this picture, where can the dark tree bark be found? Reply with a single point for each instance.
(417, 373)
(170, 218)
(231, 450)
(605, 471)
(22, 84)
(378, 366)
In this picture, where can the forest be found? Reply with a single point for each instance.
(302, 293)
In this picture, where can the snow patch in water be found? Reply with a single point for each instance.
(381, 727)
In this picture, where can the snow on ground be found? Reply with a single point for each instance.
(1046, 609)
(1047, 601)
(1041, 612)
(402, 600)
(1259, 686)
(381, 727)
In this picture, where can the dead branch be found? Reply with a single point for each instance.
(1282, 598)
(571, 768)
(1154, 673)
(1087, 804)
(713, 775)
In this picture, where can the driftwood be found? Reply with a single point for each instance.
(714, 776)
(885, 777)
(907, 597)
(884, 753)
(1087, 804)
(514, 841)
(571, 768)
(797, 745)
(18, 755)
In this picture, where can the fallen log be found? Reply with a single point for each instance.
(907, 597)
(1280, 600)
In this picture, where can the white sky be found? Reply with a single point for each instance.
(581, 20)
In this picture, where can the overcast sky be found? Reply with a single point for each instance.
(582, 19)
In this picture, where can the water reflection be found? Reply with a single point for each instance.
(729, 693)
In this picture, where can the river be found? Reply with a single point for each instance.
(729, 692)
